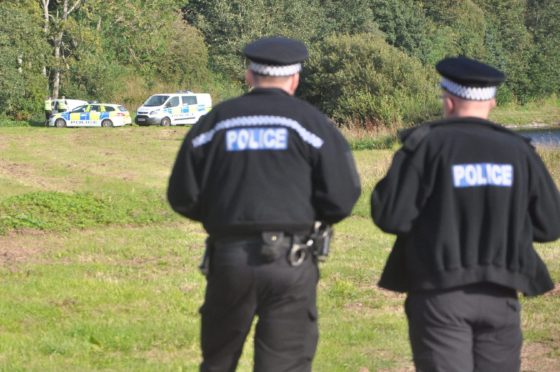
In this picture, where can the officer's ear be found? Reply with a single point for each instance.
(294, 82)
(249, 79)
(448, 105)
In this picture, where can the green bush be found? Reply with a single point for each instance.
(6, 121)
(361, 81)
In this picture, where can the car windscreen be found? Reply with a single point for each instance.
(156, 101)
(80, 109)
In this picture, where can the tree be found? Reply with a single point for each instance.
(361, 80)
(405, 26)
(543, 21)
(22, 85)
(508, 45)
(457, 28)
(56, 24)
(134, 48)
(228, 25)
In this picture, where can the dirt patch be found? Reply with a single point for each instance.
(21, 173)
(555, 291)
(537, 357)
(20, 247)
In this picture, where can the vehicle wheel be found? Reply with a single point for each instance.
(165, 122)
(106, 123)
(60, 123)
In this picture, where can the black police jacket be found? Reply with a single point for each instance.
(466, 199)
(260, 162)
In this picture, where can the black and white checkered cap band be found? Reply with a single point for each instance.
(470, 93)
(270, 70)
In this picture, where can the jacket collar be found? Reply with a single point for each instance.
(273, 91)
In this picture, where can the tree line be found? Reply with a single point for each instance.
(371, 61)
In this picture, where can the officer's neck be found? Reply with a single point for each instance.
(457, 108)
(467, 114)
(288, 84)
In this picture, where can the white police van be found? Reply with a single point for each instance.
(173, 108)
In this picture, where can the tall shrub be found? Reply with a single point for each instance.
(362, 81)
(23, 87)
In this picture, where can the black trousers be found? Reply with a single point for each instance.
(470, 328)
(241, 284)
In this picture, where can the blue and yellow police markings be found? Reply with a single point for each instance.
(187, 112)
(180, 112)
(85, 117)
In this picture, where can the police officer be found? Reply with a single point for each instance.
(257, 171)
(48, 109)
(62, 105)
(466, 199)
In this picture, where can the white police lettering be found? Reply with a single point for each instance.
(482, 174)
(242, 139)
(259, 121)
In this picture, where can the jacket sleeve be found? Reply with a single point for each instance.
(184, 185)
(544, 203)
(336, 183)
(396, 199)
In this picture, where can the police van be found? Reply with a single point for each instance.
(173, 108)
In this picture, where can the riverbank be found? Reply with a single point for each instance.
(541, 113)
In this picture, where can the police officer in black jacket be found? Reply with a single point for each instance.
(466, 199)
(258, 171)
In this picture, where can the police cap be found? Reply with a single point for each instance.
(469, 79)
(275, 56)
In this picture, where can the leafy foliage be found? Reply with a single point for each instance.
(21, 80)
(459, 25)
(405, 25)
(542, 22)
(508, 45)
(228, 25)
(126, 51)
(362, 80)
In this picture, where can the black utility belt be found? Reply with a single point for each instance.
(257, 236)
(273, 245)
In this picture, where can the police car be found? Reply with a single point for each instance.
(92, 115)
(173, 108)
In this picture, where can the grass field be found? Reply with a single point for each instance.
(96, 272)
(543, 111)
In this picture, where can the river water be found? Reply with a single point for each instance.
(543, 136)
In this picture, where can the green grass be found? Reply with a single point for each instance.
(97, 273)
(543, 111)
(56, 211)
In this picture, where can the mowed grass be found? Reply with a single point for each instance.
(96, 272)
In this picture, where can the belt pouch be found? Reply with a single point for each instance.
(272, 247)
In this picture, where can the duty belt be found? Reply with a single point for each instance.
(276, 243)
(315, 244)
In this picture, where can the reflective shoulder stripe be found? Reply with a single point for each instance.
(259, 120)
